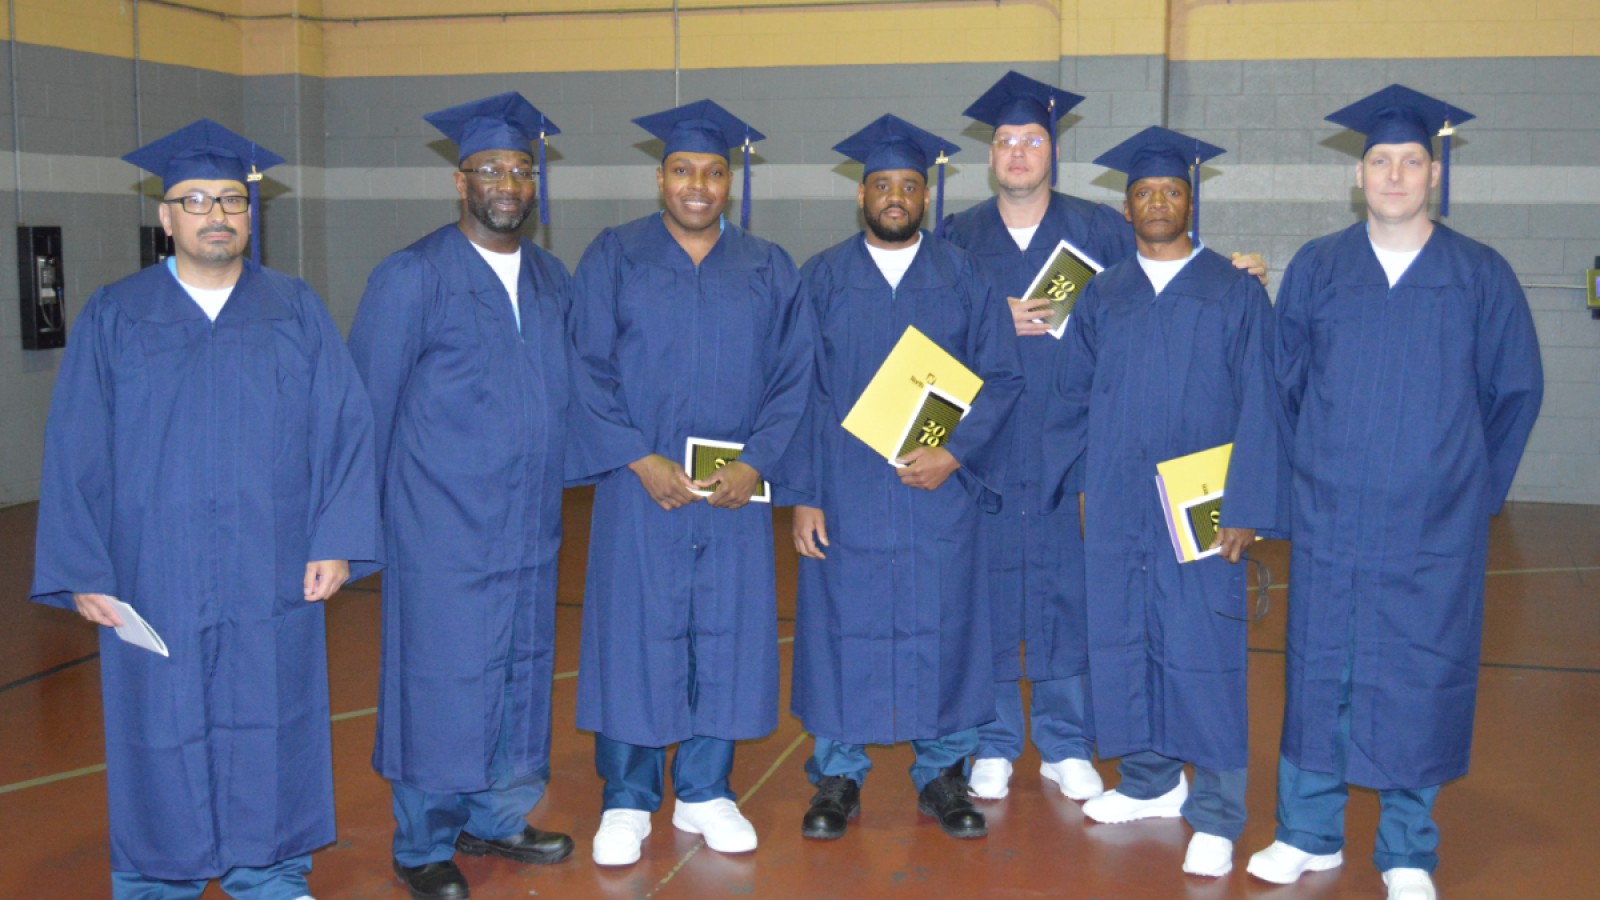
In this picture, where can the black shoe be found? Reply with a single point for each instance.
(433, 881)
(837, 801)
(945, 798)
(528, 846)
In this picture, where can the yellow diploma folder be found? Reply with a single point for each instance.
(915, 399)
(1191, 497)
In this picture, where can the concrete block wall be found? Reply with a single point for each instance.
(365, 175)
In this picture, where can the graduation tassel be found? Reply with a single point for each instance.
(938, 208)
(1194, 218)
(253, 185)
(1444, 181)
(744, 201)
(544, 183)
(1055, 158)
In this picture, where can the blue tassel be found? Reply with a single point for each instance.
(744, 201)
(253, 186)
(938, 209)
(1055, 160)
(1194, 220)
(544, 183)
(1444, 180)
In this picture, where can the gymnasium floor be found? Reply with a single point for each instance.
(1517, 827)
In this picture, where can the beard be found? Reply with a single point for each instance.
(218, 253)
(893, 234)
(501, 222)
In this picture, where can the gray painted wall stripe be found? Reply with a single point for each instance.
(1263, 182)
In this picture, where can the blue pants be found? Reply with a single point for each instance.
(932, 757)
(283, 880)
(1311, 807)
(1216, 799)
(1058, 717)
(633, 774)
(427, 823)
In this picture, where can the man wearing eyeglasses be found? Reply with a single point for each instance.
(1036, 565)
(208, 471)
(460, 338)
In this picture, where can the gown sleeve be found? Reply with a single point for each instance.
(996, 359)
(788, 359)
(593, 328)
(1066, 425)
(344, 491)
(1257, 489)
(1510, 373)
(73, 550)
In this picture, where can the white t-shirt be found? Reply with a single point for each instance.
(1162, 271)
(210, 300)
(1023, 236)
(894, 263)
(508, 268)
(1394, 262)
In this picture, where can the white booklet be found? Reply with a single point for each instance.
(136, 631)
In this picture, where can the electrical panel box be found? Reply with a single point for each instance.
(42, 280)
(155, 245)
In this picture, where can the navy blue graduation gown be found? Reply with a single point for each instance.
(1036, 588)
(892, 629)
(679, 617)
(1147, 378)
(471, 420)
(192, 470)
(1409, 408)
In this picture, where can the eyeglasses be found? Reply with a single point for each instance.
(202, 204)
(1010, 142)
(495, 174)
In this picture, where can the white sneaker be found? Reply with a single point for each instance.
(1208, 855)
(1283, 864)
(719, 821)
(990, 778)
(1409, 884)
(1113, 808)
(1077, 778)
(621, 832)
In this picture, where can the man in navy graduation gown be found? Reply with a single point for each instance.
(695, 327)
(208, 462)
(1167, 355)
(892, 629)
(1036, 567)
(461, 340)
(1410, 376)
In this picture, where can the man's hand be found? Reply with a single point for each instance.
(927, 467)
(810, 532)
(732, 485)
(97, 609)
(1254, 263)
(665, 481)
(1024, 312)
(1233, 542)
(324, 577)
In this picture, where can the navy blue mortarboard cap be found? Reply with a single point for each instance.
(891, 142)
(1161, 152)
(207, 151)
(705, 127)
(1399, 115)
(503, 122)
(1017, 99)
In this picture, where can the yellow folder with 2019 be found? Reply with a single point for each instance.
(915, 399)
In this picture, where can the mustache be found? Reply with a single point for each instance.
(219, 228)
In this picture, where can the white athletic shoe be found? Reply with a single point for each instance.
(621, 832)
(1077, 778)
(1409, 884)
(1113, 807)
(1209, 856)
(990, 779)
(1283, 864)
(719, 821)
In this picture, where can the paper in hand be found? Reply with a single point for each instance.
(136, 631)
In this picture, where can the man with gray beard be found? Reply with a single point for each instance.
(461, 340)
